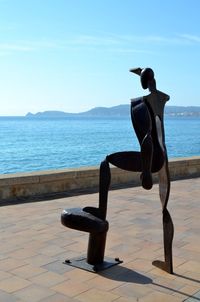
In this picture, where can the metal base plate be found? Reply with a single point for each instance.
(81, 263)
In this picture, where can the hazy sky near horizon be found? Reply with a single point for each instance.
(73, 55)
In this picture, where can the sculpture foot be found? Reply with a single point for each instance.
(167, 267)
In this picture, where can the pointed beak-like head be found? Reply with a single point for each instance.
(137, 70)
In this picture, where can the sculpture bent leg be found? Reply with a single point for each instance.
(126, 160)
(131, 161)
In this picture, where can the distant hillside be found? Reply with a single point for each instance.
(182, 111)
(50, 113)
(116, 111)
(120, 110)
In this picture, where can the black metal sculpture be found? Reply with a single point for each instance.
(147, 119)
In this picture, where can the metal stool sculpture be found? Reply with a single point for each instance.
(147, 119)
(92, 220)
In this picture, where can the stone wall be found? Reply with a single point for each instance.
(45, 183)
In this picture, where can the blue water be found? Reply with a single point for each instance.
(31, 144)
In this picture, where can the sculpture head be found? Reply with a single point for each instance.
(146, 77)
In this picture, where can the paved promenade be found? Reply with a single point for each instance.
(34, 244)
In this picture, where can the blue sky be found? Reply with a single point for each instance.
(73, 55)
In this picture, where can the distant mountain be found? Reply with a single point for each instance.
(116, 111)
(120, 110)
(50, 113)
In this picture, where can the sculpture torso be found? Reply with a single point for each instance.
(147, 119)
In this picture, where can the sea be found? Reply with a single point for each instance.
(56, 143)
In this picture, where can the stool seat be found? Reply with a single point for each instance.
(79, 219)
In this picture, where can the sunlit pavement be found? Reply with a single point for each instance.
(34, 245)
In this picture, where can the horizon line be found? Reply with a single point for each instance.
(77, 113)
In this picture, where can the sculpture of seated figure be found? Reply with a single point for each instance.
(147, 119)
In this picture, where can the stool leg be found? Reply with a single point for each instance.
(96, 248)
